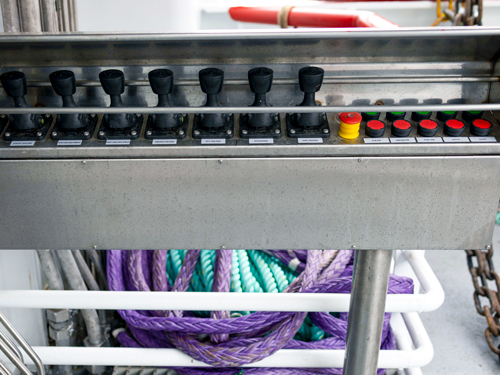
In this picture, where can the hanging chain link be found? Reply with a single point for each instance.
(481, 273)
(460, 12)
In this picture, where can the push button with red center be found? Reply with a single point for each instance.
(427, 128)
(401, 128)
(454, 128)
(480, 127)
(349, 125)
(375, 128)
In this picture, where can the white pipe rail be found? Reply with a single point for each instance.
(196, 301)
(87, 356)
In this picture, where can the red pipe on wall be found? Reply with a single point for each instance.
(311, 17)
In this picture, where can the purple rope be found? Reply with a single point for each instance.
(247, 346)
(222, 283)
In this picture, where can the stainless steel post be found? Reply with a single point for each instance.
(49, 16)
(10, 16)
(366, 311)
(30, 16)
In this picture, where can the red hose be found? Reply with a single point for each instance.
(311, 17)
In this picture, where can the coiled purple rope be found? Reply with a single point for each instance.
(254, 336)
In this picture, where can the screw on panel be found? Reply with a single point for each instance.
(101, 133)
(196, 132)
(149, 132)
(325, 131)
(220, 161)
(353, 247)
(487, 247)
(222, 247)
(360, 160)
(86, 134)
(181, 132)
(229, 132)
(39, 134)
(47, 116)
(244, 131)
(54, 134)
(133, 132)
(277, 131)
(7, 134)
(83, 162)
(94, 247)
(292, 131)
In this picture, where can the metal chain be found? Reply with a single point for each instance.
(467, 12)
(481, 273)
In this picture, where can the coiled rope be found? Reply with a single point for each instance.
(247, 337)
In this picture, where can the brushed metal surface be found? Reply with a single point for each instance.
(261, 203)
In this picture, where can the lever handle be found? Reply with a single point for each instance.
(260, 80)
(112, 81)
(14, 83)
(63, 82)
(310, 79)
(161, 81)
(211, 80)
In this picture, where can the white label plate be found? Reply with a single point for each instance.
(67, 142)
(310, 140)
(483, 139)
(261, 141)
(455, 139)
(22, 143)
(164, 141)
(430, 140)
(117, 142)
(376, 140)
(402, 140)
(216, 141)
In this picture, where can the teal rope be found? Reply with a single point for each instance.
(252, 271)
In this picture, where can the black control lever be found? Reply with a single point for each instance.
(310, 80)
(14, 83)
(117, 125)
(309, 124)
(212, 125)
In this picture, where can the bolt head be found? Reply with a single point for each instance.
(222, 247)
(46, 116)
(149, 132)
(7, 134)
(60, 334)
(133, 132)
(220, 161)
(487, 247)
(181, 132)
(93, 115)
(84, 162)
(360, 160)
(229, 132)
(353, 247)
(277, 131)
(39, 134)
(292, 131)
(54, 134)
(58, 315)
(326, 131)
(94, 247)
(101, 133)
(244, 132)
(86, 134)
(196, 132)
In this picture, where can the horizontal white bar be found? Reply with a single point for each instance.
(87, 356)
(291, 109)
(195, 301)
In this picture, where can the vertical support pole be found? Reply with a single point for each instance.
(49, 16)
(10, 16)
(366, 311)
(29, 11)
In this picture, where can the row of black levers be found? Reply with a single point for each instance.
(165, 125)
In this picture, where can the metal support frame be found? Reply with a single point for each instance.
(366, 311)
